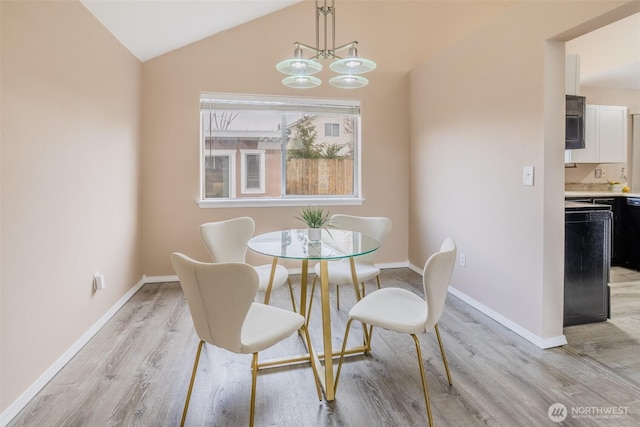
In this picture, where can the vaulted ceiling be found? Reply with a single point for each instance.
(149, 28)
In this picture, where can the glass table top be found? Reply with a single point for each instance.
(295, 244)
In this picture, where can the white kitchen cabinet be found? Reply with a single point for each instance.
(605, 136)
(572, 74)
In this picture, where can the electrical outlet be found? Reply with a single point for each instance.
(463, 259)
(598, 173)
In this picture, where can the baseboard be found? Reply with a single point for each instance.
(22, 401)
(159, 279)
(543, 343)
(416, 269)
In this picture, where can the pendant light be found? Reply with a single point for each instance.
(300, 70)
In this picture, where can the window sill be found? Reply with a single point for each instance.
(249, 203)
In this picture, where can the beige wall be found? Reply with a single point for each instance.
(72, 203)
(481, 111)
(239, 61)
(70, 182)
(610, 47)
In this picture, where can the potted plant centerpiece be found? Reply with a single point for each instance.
(316, 219)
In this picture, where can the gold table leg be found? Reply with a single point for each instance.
(303, 288)
(329, 390)
(325, 374)
(354, 277)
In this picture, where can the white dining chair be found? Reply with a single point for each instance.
(340, 271)
(227, 240)
(220, 297)
(400, 310)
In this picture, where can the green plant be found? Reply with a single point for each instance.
(332, 151)
(314, 217)
(303, 141)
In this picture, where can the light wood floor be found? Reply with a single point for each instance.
(135, 372)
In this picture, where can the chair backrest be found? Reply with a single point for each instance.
(219, 296)
(227, 240)
(436, 278)
(375, 226)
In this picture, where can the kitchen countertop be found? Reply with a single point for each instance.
(599, 194)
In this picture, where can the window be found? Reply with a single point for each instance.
(331, 129)
(252, 171)
(258, 150)
(220, 174)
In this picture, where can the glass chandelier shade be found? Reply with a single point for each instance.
(298, 66)
(352, 64)
(301, 82)
(348, 81)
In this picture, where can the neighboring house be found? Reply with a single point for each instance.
(247, 163)
(242, 164)
(336, 131)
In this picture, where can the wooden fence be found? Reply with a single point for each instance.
(320, 176)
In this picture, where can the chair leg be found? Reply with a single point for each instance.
(254, 376)
(267, 293)
(444, 357)
(293, 299)
(367, 337)
(193, 378)
(424, 379)
(363, 289)
(344, 346)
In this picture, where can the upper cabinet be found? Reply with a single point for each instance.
(605, 136)
(572, 74)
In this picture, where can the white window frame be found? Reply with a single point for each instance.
(337, 200)
(231, 154)
(243, 172)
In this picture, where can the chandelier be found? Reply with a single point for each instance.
(300, 70)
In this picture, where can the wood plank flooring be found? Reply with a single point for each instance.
(135, 372)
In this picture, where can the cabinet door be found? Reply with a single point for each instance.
(612, 134)
(588, 154)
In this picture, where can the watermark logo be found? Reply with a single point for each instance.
(557, 412)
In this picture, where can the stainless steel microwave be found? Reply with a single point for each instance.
(574, 123)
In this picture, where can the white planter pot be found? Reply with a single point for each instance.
(315, 234)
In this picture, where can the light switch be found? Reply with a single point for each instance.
(527, 175)
(98, 282)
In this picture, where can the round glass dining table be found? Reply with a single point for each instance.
(334, 244)
(295, 244)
